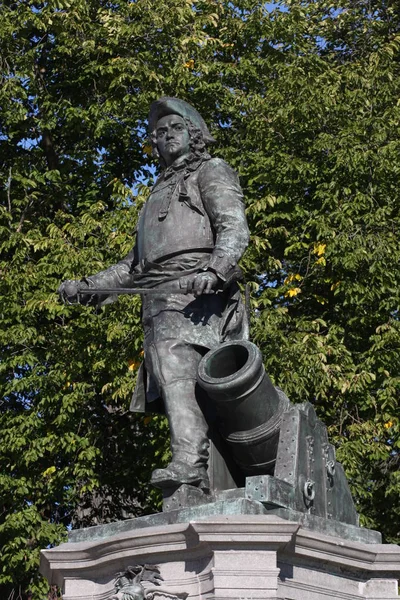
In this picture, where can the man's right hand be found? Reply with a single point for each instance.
(69, 292)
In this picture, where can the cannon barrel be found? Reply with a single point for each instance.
(248, 405)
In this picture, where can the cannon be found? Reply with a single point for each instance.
(282, 449)
(249, 407)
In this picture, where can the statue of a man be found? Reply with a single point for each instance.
(191, 234)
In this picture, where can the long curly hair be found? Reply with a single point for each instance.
(197, 144)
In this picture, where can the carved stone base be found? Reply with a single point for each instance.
(241, 557)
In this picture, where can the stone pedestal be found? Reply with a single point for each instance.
(230, 555)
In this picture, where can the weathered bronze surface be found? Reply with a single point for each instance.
(191, 234)
(282, 449)
(198, 361)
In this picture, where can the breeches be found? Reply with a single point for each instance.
(172, 360)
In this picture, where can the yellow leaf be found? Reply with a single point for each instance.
(345, 387)
(49, 472)
(319, 249)
(148, 149)
(292, 292)
(292, 277)
(133, 365)
(321, 261)
(189, 64)
(388, 425)
(334, 286)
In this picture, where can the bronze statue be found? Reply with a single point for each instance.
(198, 361)
(190, 236)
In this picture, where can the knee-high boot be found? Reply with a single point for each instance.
(189, 440)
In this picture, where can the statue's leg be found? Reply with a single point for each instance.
(174, 364)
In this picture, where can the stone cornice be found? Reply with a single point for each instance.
(198, 539)
(370, 557)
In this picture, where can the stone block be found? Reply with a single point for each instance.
(245, 574)
(227, 557)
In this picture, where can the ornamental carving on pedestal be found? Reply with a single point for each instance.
(142, 582)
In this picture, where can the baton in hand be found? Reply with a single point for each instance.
(131, 291)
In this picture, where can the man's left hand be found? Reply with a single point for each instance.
(205, 283)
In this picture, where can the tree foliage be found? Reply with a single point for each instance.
(302, 98)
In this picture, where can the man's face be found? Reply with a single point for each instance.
(172, 138)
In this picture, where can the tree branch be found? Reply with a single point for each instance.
(49, 151)
(9, 190)
(22, 219)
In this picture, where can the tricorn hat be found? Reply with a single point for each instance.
(173, 106)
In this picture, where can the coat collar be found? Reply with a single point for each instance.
(187, 166)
